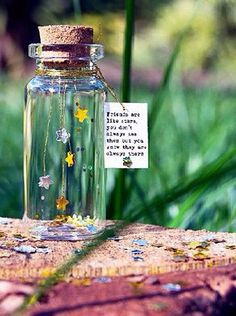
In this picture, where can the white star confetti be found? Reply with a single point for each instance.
(62, 135)
(5, 221)
(42, 249)
(25, 249)
(45, 182)
(140, 242)
(172, 287)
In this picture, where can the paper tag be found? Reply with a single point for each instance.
(126, 135)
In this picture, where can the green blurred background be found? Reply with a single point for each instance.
(183, 65)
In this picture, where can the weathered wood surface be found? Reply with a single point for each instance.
(208, 292)
(165, 250)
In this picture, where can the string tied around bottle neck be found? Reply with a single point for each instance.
(80, 72)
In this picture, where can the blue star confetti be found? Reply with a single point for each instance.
(91, 228)
(136, 252)
(140, 242)
(137, 258)
(102, 280)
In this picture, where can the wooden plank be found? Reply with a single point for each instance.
(165, 250)
(203, 293)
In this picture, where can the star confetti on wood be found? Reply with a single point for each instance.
(62, 202)
(70, 159)
(45, 182)
(81, 114)
(62, 135)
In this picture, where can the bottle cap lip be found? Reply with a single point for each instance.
(60, 52)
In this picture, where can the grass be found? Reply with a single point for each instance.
(11, 142)
(116, 203)
(192, 176)
(191, 183)
(191, 179)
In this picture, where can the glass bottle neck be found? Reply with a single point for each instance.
(66, 59)
(65, 68)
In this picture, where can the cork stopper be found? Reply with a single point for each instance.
(65, 44)
(66, 34)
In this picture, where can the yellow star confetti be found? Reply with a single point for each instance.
(84, 282)
(4, 254)
(201, 255)
(231, 247)
(70, 159)
(199, 245)
(81, 114)
(61, 203)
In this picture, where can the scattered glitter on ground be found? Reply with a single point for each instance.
(140, 242)
(25, 249)
(136, 258)
(172, 287)
(103, 280)
(136, 252)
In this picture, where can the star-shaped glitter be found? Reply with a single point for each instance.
(45, 182)
(62, 202)
(70, 159)
(81, 114)
(62, 135)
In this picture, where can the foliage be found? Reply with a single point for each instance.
(211, 41)
(210, 164)
(111, 34)
(187, 184)
(116, 202)
(192, 175)
(193, 129)
(213, 24)
(11, 139)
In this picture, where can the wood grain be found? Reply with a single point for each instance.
(115, 258)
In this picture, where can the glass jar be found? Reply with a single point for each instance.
(64, 177)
